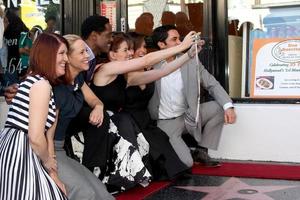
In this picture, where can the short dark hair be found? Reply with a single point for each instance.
(160, 34)
(93, 23)
(43, 56)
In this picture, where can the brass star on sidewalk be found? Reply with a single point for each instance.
(234, 188)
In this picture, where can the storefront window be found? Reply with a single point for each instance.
(26, 19)
(269, 65)
(156, 8)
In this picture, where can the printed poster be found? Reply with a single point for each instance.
(276, 68)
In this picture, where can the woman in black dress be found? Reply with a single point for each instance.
(109, 85)
(116, 155)
(164, 160)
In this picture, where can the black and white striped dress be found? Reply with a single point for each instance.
(22, 176)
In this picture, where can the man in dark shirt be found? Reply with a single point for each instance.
(96, 31)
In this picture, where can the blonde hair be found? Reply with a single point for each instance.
(71, 38)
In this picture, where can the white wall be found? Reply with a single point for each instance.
(3, 111)
(262, 132)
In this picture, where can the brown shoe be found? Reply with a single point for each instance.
(201, 157)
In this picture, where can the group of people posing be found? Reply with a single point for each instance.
(132, 108)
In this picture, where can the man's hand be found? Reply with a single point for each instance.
(192, 51)
(188, 40)
(229, 116)
(10, 92)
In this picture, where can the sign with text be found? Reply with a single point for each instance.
(108, 9)
(276, 68)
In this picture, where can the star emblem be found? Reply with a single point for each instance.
(234, 188)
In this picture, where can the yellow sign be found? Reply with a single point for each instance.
(32, 14)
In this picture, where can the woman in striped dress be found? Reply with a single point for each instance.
(27, 169)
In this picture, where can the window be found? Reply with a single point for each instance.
(22, 16)
(156, 7)
(269, 67)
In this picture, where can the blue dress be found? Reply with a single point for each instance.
(79, 181)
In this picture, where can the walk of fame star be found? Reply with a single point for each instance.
(234, 188)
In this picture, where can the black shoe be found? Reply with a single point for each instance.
(201, 157)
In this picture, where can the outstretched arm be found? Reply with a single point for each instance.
(139, 78)
(122, 67)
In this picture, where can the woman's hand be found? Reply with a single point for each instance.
(50, 164)
(58, 182)
(96, 116)
(192, 51)
(188, 40)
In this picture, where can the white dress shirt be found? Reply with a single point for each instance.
(172, 101)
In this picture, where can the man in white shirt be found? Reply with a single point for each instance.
(176, 104)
